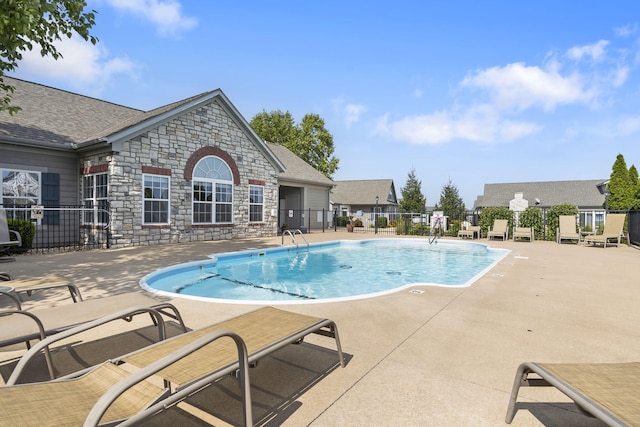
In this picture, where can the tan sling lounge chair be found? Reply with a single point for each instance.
(40, 283)
(21, 326)
(523, 233)
(471, 232)
(500, 229)
(607, 391)
(613, 228)
(567, 229)
(109, 394)
(5, 235)
(259, 332)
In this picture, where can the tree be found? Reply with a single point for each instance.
(621, 189)
(314, 145)
(25, 24)
(412, 198)
(309, 140)
(635, 185)
(451, 202)
(276, 127)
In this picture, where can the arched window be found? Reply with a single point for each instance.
(212, 192)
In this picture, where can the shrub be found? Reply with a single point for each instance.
(489, 215)
(553, 215)
(357, 222)
(420, 229)
(532, 217)
(27, 231)
(382, 222)
(342, 221)
(402, 226)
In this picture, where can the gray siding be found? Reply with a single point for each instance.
(63, 163)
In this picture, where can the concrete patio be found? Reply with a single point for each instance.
(443, 357)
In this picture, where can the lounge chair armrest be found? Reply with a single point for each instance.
(12, 296)
(103, 404)
(45, 342)
(32, 316)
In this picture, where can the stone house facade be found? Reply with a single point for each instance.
(192, 170)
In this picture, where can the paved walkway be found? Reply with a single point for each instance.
(440, 358)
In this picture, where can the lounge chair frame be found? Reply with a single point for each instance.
(612, 233)
(523, 233)
(158, 358)
(599, 404)
(28, 286)
(471, 232)
(95, 410)
(21, 326)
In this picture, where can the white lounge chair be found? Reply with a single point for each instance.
(5, 235)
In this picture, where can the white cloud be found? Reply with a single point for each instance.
(83, 65)
(479, 124)
(517, 86)
(594, 51)
(350, 112)
(353, 112)
(628, 126)
(620, 76)
(492, 104)
(626, 30)
(165, 14)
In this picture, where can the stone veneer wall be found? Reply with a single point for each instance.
(169, 147)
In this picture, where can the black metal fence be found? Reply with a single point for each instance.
(59, 228)
(75, 228)
(634, 227)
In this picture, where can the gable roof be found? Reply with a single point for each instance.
(583, 193)
(297, 170)
(54, 117)
(364, 192)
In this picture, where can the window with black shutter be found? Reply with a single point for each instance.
(51, 197)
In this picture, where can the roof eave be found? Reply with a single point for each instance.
(146, 125)
(60, 146)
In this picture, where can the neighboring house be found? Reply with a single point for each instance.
(192, 168)
(517, 196)
(303, 193)
(361, 198)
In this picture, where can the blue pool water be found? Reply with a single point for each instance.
(326, 271)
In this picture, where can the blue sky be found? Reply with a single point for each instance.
(505, 91)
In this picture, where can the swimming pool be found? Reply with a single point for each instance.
(325, 272)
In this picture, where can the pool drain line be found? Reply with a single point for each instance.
(201, 279)
(239, 282)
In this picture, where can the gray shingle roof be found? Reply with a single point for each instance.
(583, 194)
(56, 116)
(140, 117)
(364, 192)
(297, 170)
